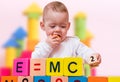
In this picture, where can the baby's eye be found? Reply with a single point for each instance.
(52, 26)
(63, 26)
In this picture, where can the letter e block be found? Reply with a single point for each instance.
(25, 78)
(41, 79)
(77, 79)
(97, 79)
(54, 66)
(37, 67)
(114, 79)
(73, 67)
(9, 79)
(21, 67)
(59, 79)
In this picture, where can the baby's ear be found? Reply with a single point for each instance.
(42, 25)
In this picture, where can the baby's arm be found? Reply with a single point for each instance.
(42, 50)
(89, 55)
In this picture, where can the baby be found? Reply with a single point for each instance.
(56, 24)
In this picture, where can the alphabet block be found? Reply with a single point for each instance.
(25, 78)
(73, 67)
(9, 79)
(5, 71)
(97, 79)
(114, 79)
(41, 79)
(54, 66)
(77, 79)
(21, 67)
(37, 67)
(59, 79)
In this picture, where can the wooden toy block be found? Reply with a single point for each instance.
(114, 79)
(41, 78)
(73, 67)
(93, 71)
(77, 79)
(5, 71)
(54, 66)
(87, 70)
(21, 67)
(97, 79)
(59, 79)
(37, 67)
(26, 54)
(9, 79)
(92, 59)
(25, 78)
(31, 44)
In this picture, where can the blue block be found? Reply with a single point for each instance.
(41, 79)
(77, 79)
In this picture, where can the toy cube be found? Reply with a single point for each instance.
(25, 78)
(114, 79)
(21, 67)
(41, 79)
(37, 67)
(9, 79)
(87, 70)
(5, 71)
(59, 79)
(73, 67)
(54, 66)
(26, 54)
(77, 79)
(97, 79)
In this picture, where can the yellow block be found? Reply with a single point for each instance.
(54, 66)
(114, 79)
(73, 67)
(10, 56)
(33, 29)
(33, 8)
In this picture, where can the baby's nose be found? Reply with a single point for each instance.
(57, 28)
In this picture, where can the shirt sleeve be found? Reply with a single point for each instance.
(84, 51)
(42, 50)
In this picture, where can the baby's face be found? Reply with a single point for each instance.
(56, 23)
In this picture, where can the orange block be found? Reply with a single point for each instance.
(97, 79)
(59, 79)
(31, 44)
(9, 79)
(25, 78)
(37, 67)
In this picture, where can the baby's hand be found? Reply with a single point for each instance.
(94, 60)
(53, 40)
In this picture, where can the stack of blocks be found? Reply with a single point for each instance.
(52, 70)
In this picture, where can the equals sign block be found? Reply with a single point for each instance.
(37, 67)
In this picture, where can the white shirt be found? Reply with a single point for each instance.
(70, 47)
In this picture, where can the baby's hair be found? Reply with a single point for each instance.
(55, 6)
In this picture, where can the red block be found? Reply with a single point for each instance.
(5, 71)
(26, 54)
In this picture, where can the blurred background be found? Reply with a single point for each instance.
(102, 19)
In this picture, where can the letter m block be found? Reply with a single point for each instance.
(54, 66)
(21, 67)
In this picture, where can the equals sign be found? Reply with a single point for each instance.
(37, 64)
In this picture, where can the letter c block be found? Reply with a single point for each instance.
(21, 67)
(73, 66)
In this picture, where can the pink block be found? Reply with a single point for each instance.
(5, 71)
(93, 71)
(26, 54)
(37, 67)
(21, 67)
(59, 79)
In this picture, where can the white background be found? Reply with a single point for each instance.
(103, 20)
